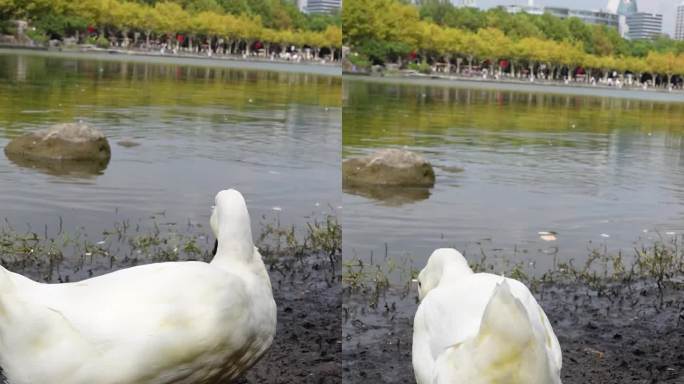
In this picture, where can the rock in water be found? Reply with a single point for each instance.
(69, 142)
(391, 167)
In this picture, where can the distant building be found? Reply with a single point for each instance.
(530, 9)
(301, 4)
(622, 7)
(592, 17)
(323, 6)
(679, 25)
(643, 25)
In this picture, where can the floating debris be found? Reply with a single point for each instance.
(594, 352)
(547, 235)
(605, 235)
(277, 209)
(127, 143)
(101, 242)
(671, 233)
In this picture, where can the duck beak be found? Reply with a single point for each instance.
(213, 252)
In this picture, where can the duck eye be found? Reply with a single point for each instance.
(420, 285)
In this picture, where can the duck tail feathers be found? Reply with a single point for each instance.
(5, 280)
(506, 318)
(508, 334)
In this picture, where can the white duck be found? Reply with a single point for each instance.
(176, 322)
(479, 328)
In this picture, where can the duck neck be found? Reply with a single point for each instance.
(230, 252)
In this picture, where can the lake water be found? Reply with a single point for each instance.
(600, 172)
(274, 136)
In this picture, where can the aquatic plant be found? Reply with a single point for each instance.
(605, 273)
(71, 255)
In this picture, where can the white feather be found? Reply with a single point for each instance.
(183, 322)
(467, 330)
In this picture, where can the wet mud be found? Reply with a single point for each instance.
(307, 347)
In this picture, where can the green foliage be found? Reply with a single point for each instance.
(378, 51)
(387, 30)
(59, 25)
(247, 21)
(6, 27)
(422, 67)
(98, 41)
(360, 60)
(38, 36)
(595, 39)
(321, 21)
(102, 42)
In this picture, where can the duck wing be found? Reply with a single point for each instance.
(159, 323)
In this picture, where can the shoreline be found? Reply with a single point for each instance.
(189, 60)
(613, 336)
(304, 270)
(521, 87)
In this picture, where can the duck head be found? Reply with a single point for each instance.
(445, 264)
(232, 227)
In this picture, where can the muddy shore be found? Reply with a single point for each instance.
(307, 347)
(620, 333)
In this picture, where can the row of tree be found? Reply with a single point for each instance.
(390, 31)
(192, 26)
(595, 39)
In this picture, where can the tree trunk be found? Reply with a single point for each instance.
(531, 65)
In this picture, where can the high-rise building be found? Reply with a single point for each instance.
(643, 25)
(323, 6)
(622, 7)
(301, 4)
(679, 24)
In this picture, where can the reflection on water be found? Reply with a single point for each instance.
(601, 172)
(71, 168)
(275, 136)
(388, 195)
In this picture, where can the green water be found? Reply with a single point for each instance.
(601, 172)
(198, 130)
